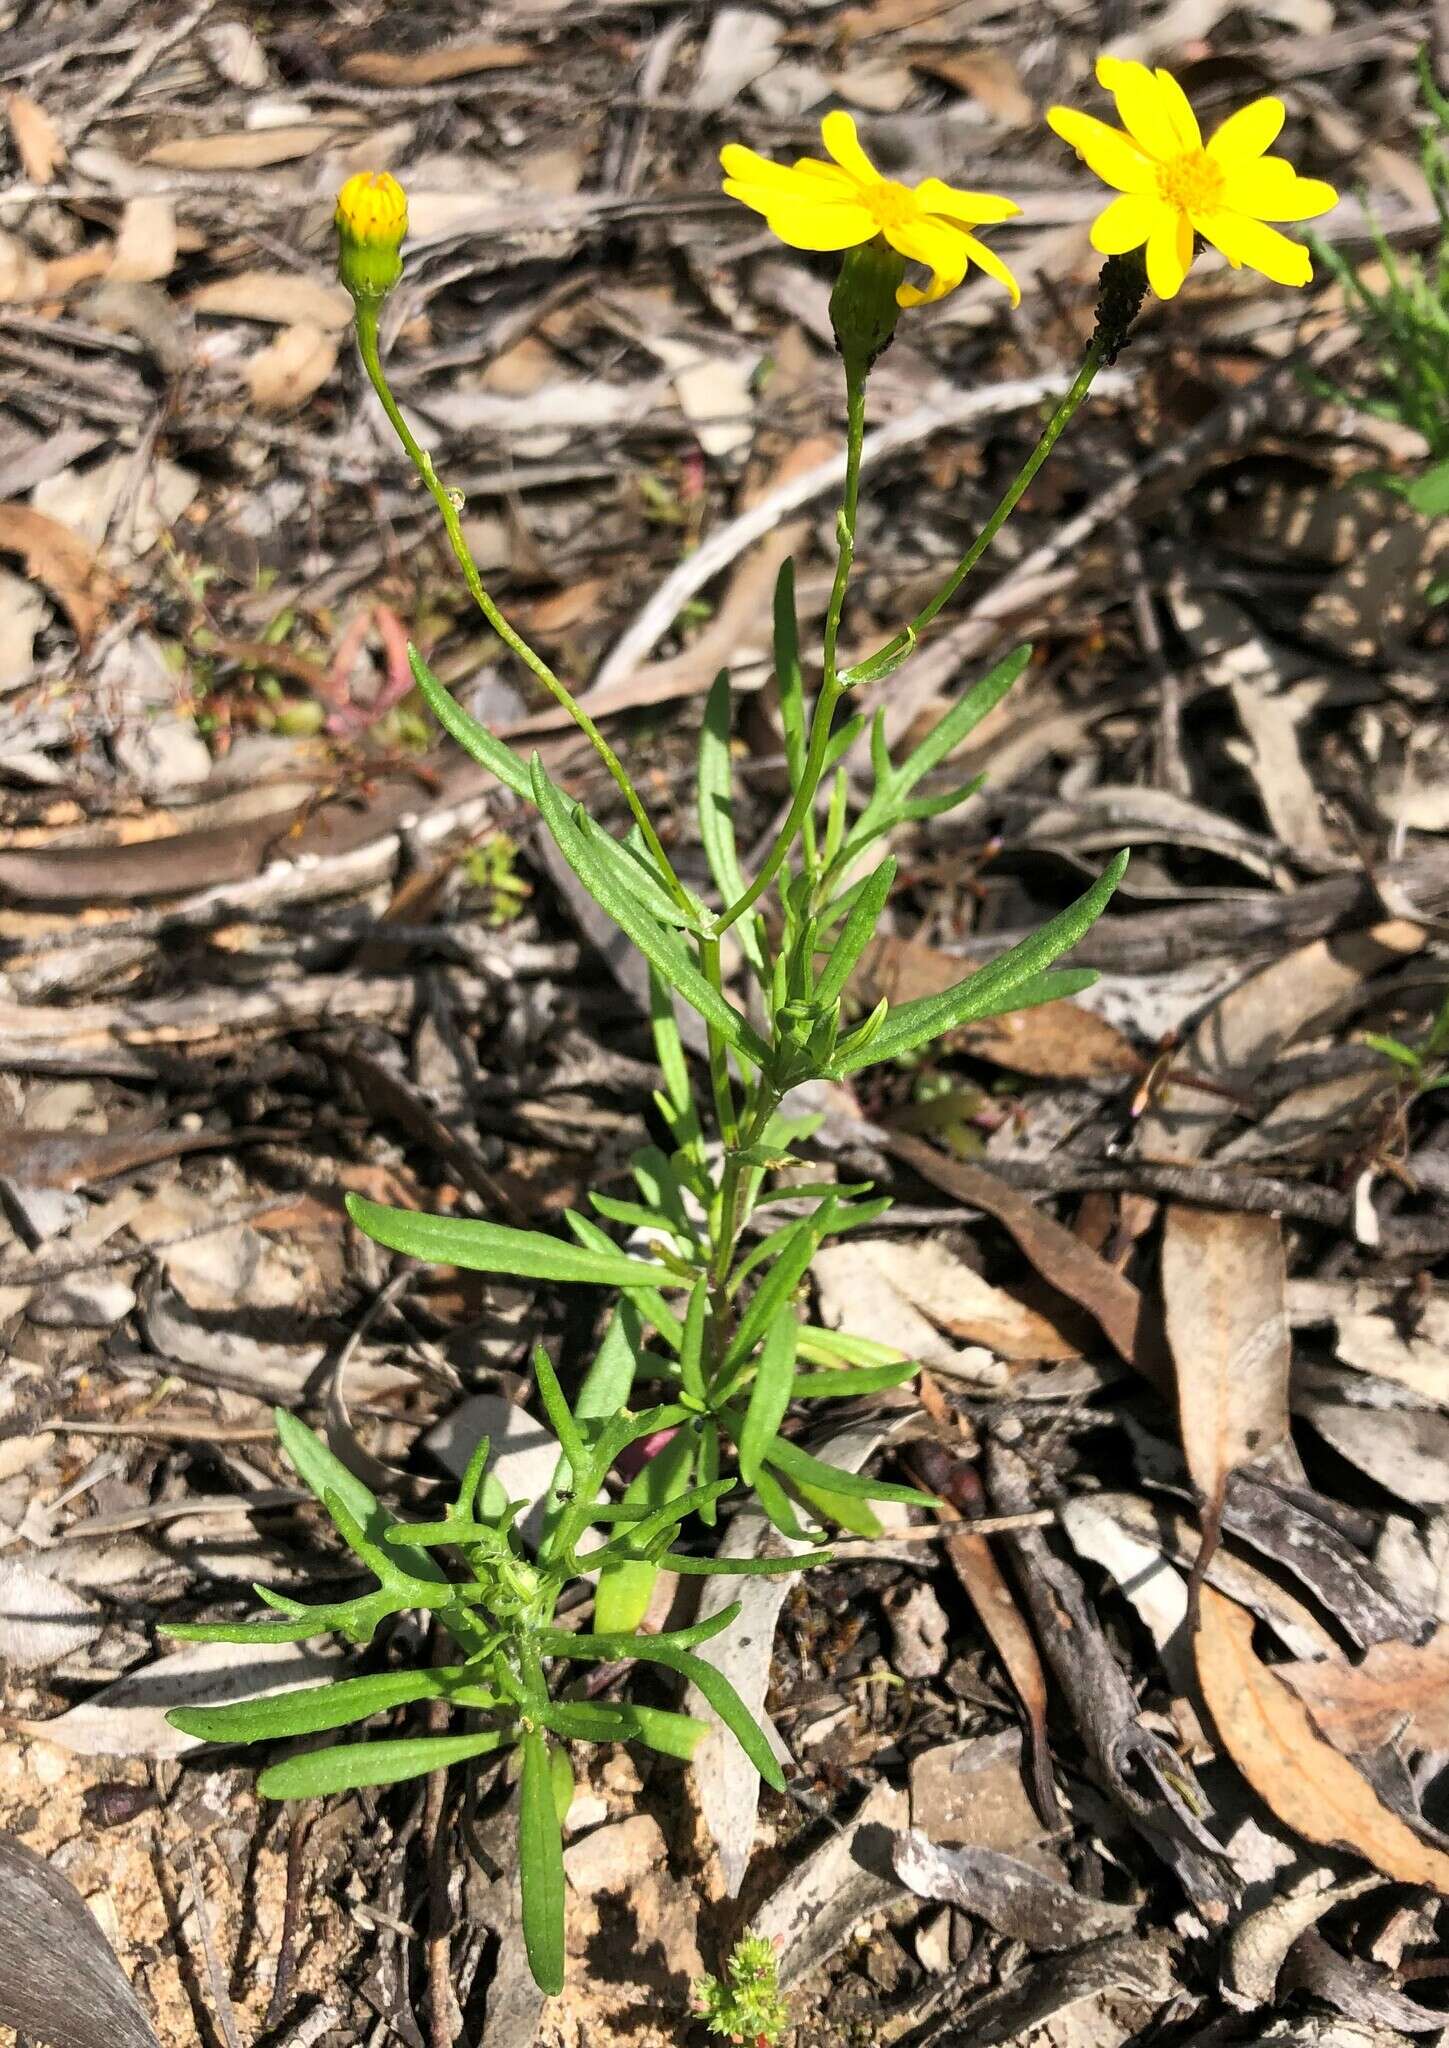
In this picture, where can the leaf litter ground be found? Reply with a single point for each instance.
(267, 943)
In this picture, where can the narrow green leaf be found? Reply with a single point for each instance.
(673, 1651)
(356, 1619)
(658, 945)
(915, 810)
(634, 1216)
(353, 1764)
(691, 1349)
(466, 1499)
(1429, 493)
(716, 812)
(602, 1646)
(1001, 986)
(776, 1291)
(691, 1567)
(796, 1464)
(498, 1248)
(556, 1408)
(961, 720)
(320, 1471)
(825, 1347)
(844, 1511)
(778, 1506)
(1394, 1049)
(472, 737)
(648, 1300)
(676, 1735)
(540, 1866)
(621, 1598)
(848, 1382)
(315, 1707)
(673, 1065)
(770, 1394)
(856, 932)
(789, 678)
(840, 745)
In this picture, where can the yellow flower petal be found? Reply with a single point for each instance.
(1247, 133)
(748, 167)
(1180, 112)
(1262, 248)
(1142, 106)
(1169, 252)
(973, 209)
(805, 224)
(1125, 224)
(1114, 157)
(1270, 189)
(986, 259)
(837, 132)
(941, 249)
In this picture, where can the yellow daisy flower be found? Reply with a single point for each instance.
(1173, 185)
(842, 204)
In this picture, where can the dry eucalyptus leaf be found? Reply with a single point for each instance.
(60, 561)
(23, 276)
(23, 611)
(236, 54)
(987, 76)
(1409, 1348)
(36, 138)
(282, 298)
(59, 1981)
(249, 149)
(145, 242)
(726, 1783)
(973, 1792)
(1057, 1041)
(742, 45)
(714, 394)
(1404, 1450)
(1248, 1030)
(1223, 1282)
(1397, 1692)
(1156, 1589)
(435, 67)
(892, 1284)
(42, 1621)
(1268, 1733)
(286, 373)
(129, 1717)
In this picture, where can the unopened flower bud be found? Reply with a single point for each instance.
(372, 218)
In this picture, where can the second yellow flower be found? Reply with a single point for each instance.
(842, 204)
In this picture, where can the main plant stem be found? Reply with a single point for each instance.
(507, 633)
(831, 687)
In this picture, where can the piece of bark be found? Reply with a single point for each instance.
(1104, 1706)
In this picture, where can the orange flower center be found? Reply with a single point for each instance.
(891, 205)
(1191, 182)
